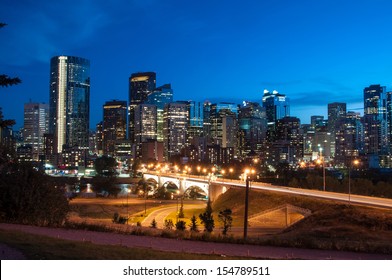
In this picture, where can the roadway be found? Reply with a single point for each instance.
(354, 199)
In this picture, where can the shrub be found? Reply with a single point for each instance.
(153, 224)
(180, 225)
(169, 224)
(30, 197)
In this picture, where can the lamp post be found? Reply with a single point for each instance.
(231, 170)
(355, 162)
(145, 197)
(246, 203)
(323, 162)
(178, 194)
(128, 190)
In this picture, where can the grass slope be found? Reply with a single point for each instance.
(331, 226)
(37, 247)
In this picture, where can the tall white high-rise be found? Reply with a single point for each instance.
(69, 103)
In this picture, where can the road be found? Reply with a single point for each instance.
(160, 214)
(355, 199)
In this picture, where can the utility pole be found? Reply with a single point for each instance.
(246, 207)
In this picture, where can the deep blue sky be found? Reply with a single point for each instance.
(315, 52)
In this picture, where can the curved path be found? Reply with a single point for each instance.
(160, 214)
(199, 247)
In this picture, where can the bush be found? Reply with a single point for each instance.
(181, 225)
(193, 225)
(117, 219)
(169, 224)
(153, 224)
(30, 197)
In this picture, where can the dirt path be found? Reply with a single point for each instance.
(199, 247)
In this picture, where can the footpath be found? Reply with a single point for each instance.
(188, 246)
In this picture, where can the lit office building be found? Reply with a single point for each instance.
(276, 107)
(141, 85)
(336, 115)
(288, 146)
(253, 125)
(69, 102)
(349, 139)
(175, 128)
(114, 124)
(35, 126)
(145, 126)
(160, 97)
(375, 120)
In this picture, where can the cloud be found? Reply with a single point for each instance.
(38, 30)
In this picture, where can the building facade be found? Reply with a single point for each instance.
(36, 116)
(141, 85)
(69, 102)
(114, 125)
(175, 128)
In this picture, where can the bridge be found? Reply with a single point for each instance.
(185, 183)
(215, 187)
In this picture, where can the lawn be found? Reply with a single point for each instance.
(37, 247)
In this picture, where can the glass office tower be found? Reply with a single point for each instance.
(69, 104)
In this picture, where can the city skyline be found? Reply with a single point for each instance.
(314, 53)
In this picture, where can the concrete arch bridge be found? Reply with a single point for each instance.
(184, 184)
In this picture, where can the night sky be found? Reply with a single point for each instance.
(315, 52)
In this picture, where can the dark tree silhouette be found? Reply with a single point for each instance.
(5, 80)
(207, 219)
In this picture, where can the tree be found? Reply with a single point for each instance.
(105, 184)
(153, 224)
(29, 197)
(181, 225)
(193, 225)
(207, 219)
(105, 166)
(169, 224)
(5, 80)
(181, 211)
(225, 217)
(5, 123)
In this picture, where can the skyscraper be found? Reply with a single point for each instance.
(69, 104)
(336, 112)
(141, 85)
(336, 118)
(389, 118)
(253, 124)
(276, 107)
(276, 104)
(349, 139)
(288, 146)
(195, 120)
(175, 128)
(114, 124)
(35, 126)
(160, 97)
(375, 120)
(145, 125)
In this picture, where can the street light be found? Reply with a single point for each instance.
(247, 181)
(323, 162)
(223, 175)
(128, 191)
(178, 194)
(355, 162)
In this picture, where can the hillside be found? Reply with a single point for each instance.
(330, 226)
